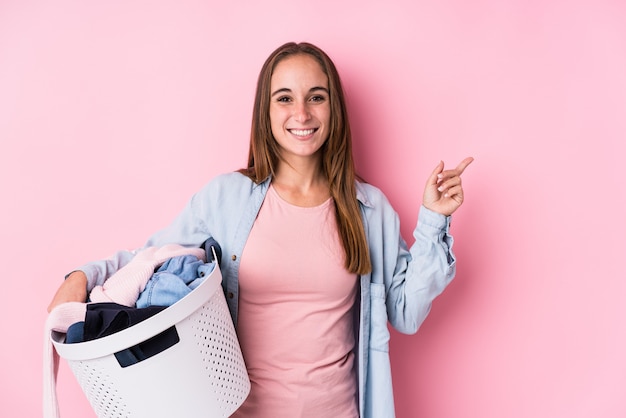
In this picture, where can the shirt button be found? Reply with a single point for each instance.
(230, 295)
(233, 257)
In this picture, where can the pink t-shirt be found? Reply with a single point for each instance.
(295, 321)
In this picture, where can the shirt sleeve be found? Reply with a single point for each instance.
(420, 273)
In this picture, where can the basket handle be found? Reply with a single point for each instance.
(148, 348)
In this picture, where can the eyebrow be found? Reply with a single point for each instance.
(311, 90)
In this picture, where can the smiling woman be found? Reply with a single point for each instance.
(300, 116)
(314, 265)
(299, 104)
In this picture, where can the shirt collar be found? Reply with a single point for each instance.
(361, 195)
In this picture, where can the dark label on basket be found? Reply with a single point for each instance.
(148, 348)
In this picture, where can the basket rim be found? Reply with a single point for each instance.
(144, 330)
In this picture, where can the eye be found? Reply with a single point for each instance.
(318, 98)
(284, 99)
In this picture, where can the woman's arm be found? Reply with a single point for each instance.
(415, 277)
(73, 289)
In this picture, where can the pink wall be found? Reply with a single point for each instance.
(113, 113)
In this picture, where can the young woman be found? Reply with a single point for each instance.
(313, 262)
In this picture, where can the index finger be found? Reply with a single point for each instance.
(463, 165)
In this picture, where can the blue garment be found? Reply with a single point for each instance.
(174, 280)
(400, 289)
(75, 333)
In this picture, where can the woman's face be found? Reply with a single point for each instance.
(299, 106)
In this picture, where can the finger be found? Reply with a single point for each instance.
(463, 165)
(449, 174)
(449, 183)
(454, 192)
(434, 176)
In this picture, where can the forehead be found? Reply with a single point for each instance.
(298, 70)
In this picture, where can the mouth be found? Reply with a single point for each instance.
(302, 133)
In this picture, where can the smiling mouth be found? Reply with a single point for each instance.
(302, 132)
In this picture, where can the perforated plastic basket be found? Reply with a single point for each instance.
(203, 375)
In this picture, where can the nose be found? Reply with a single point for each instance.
(301, 112)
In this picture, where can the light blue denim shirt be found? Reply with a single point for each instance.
(400, 288)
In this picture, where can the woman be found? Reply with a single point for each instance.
(314, 265)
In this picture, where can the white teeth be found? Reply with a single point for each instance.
(302, 132)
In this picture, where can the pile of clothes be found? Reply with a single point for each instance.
(157, 277)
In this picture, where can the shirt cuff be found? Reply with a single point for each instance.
(433, 219)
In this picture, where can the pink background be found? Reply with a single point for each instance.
(112, 113)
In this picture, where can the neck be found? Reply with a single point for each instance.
(301, 184)
(300, 172)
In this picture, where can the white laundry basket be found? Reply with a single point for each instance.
(203, 375)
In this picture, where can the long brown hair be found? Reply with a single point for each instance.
(337, 162)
